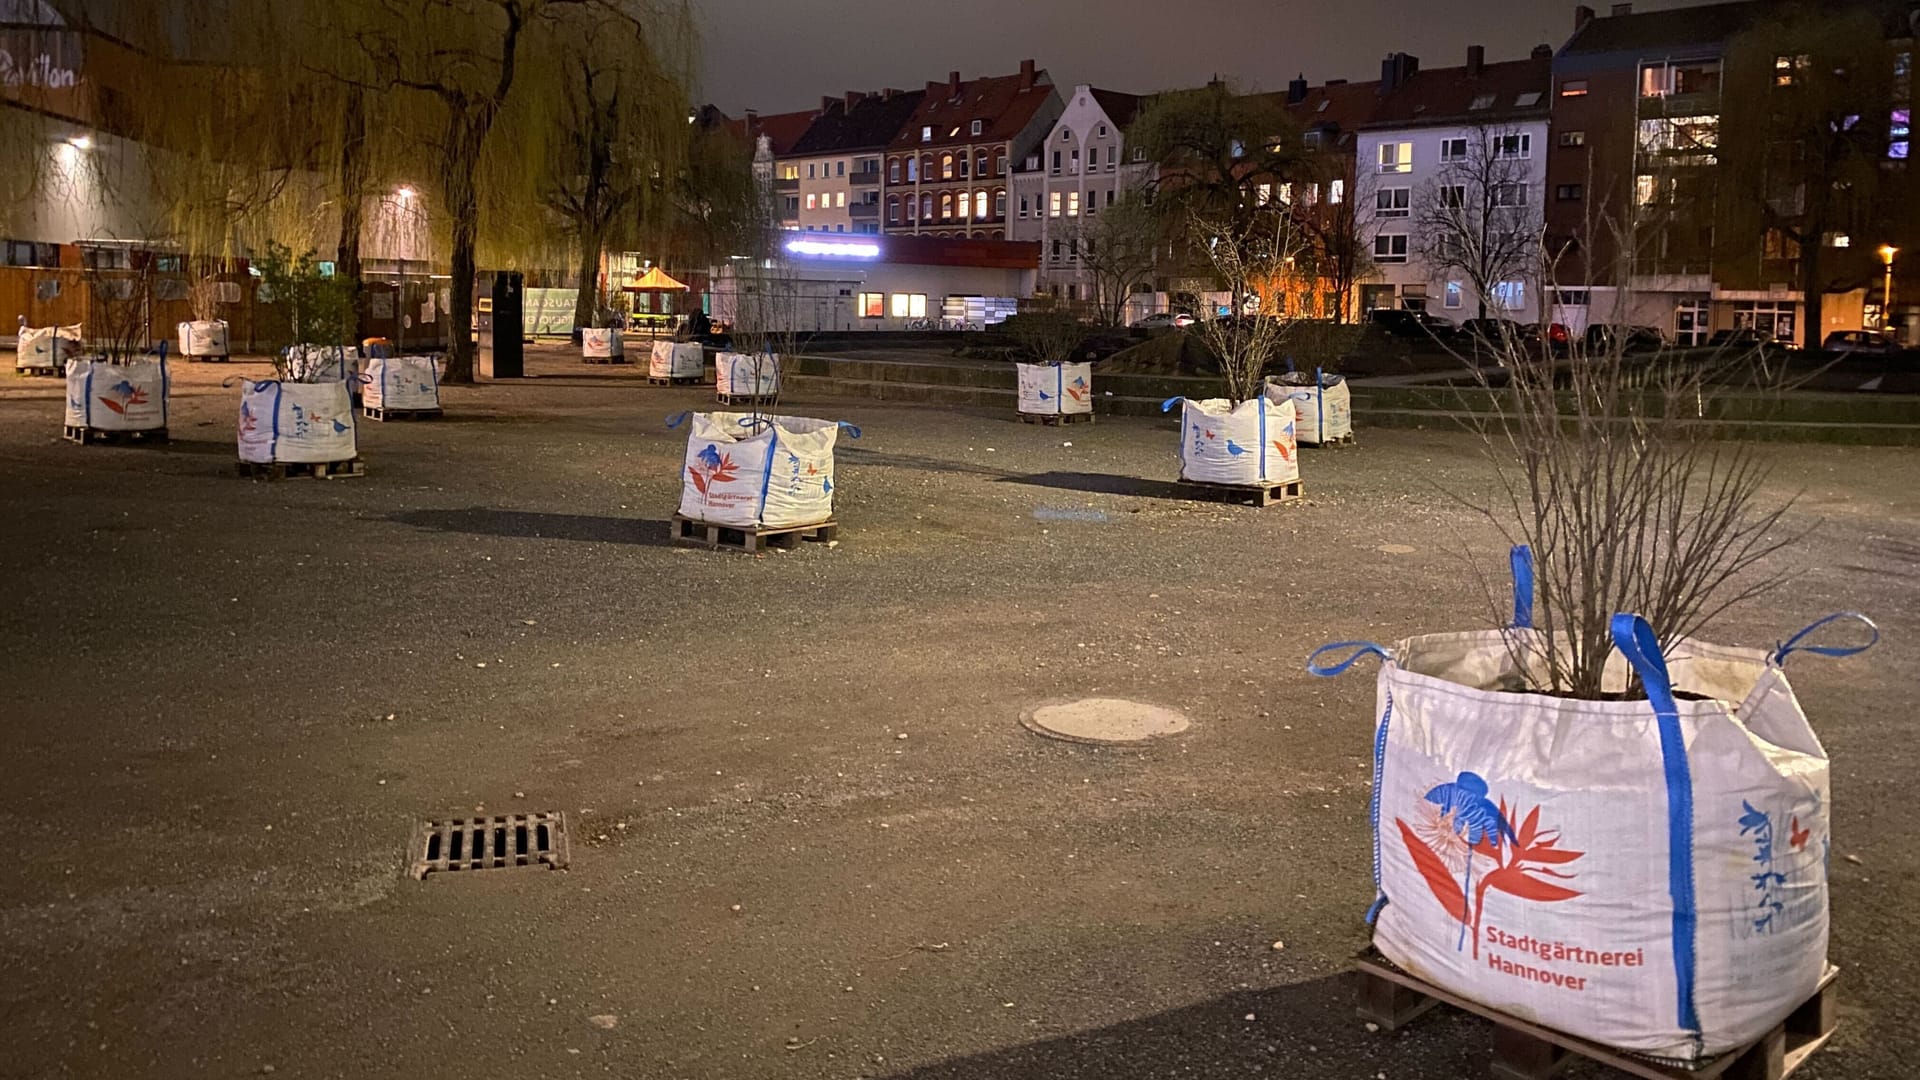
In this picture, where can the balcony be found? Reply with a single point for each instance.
(786, 185)
(870, 178)
(864, 211)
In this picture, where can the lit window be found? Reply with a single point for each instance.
(1574, 88)
(1073, 204)
(1073, 160)
(839, 198)
(1646, 190)
(1838, 239)
(909, 305)
(913, 170)
(871, 305)
(1286, 194)
(1396, 157)
(810, 199)
(1053, 204)
(926, 207)
(946, 166)
(790, 172)
(1573, 138)
(1337, 191)
(979, 204)
(946, 207)
(1390, 249)
(976, 128)
(1511, 295)
(1788, 70)
(1452, 294)
(1392, 202)
(1899, 134)
(1262, 194)
(926, 134)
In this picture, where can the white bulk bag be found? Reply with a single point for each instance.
(317, 363)
(117, 397)
(295, 421)
(1650, 874)
(676, 360)
(1053, 389)
(46, 346)
(400, 382)
(751, 471)
(1322, 406)
(203, 338)
(747, 375)
(1248, 443)
(602, 343)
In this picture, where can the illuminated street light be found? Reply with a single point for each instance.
(406, 193)
(80, 142)
(1887, 252)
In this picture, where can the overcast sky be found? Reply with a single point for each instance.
(777, 55)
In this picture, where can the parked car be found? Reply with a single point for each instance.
(1860, 343)
(1414, 325)
(1161, 320)
(1744, 338)
(1495, 333)
(1631, 338)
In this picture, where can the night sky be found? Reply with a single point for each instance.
(777, 55)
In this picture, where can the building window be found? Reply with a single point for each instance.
(1056, 163)
(1453, 149)
(1109, 196)
(1053, 204)
(839, 198)
(977, 127)
(839, 168)
(1073, 160)
(1453, 196)
(1073, 204)
(810, 170)
(1056, 250)
(1513, 146)
(963, 165)
(1573, 88)
(1066, 135)
(946, 166)
(999, 205)
(893, 171)
(926, 134)
(1337, 191)
(1396, 157)
(909, 305)
(979, 204)
(1093, 159)
(1286, 194)
(960, 204)
(1573, 138)
(1390, 249)
(1482, 101)
(1139, 153)
(1392, 202)
(1568, 192)
(1509, 195)
(1788, 70)
(926, 207)
(1511, 295)
(1451, 295)
(1670, 78)
(913, 170)
(1023, 206)
(810, 199)
(946, 207)
(893, 208)
(980, 164)
(1262, 194)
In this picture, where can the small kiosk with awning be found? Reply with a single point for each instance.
(654, 284)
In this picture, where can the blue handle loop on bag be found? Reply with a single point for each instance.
(1167, 405)
(1641, 647)
(850, 429)
(1360, 650)
(1792, 644)
(1522, 560)
(677, 419)
(755, 422)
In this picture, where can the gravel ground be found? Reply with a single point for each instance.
(811, 837)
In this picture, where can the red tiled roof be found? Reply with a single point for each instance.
(999, 101)
(781, 129)
(1342, 106)
(1120, 108)
(1447, 95)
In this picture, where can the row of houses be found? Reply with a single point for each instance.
(1613, 148)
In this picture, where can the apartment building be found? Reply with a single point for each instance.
(947, 170)
(772, 137)
(835, 165)
(1451, 166)
(1081, 166)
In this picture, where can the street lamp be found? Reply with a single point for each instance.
(1887, 252)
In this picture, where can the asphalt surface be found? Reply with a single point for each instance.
(811, 838)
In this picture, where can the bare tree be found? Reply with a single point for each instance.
(1608, 466)
(1118, 247)
(1046, 337)
(1478, 217)
(1249, 253)
(1338, 236)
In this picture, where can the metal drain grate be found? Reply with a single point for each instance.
(490, 843)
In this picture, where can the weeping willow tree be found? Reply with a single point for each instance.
(619, 127)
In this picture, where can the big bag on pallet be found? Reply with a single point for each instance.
(117, 397)
(1646, 874)
(203, 338)
(46, 346)
(1249, 443)
(400, 382)
(601, 344)
(1322, 406)
(676, 360)
(296, 422)
(316, 363)
(749, 471)
(747, 375)
(1055, 389)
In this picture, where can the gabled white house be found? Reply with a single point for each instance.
(1454, 164)
(1081, 168)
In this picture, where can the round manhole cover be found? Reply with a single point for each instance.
(1104, 720)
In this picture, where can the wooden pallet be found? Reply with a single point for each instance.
(38, 370)
(301, 470)
(206, 359)
(1255, 494)
(605, 360)
(1390, 998)
(746, 399)
(676, 380)
(1056, 419)
(697, 533)
(374, 412)
(85, 435)
(1343, 440)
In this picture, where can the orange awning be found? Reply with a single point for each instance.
(654, 280)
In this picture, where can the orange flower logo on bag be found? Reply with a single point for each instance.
(711, 467)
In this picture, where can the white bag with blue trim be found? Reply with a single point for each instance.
(1322, 406)
(46, 346)
(1647, 874)
(203, 337)
(117, 397)
(676, 360)
(749, 471)
(1249, 444)
(602, 343)
(747, 375)
(296, 422)
(400, 382)
(1055, 389)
